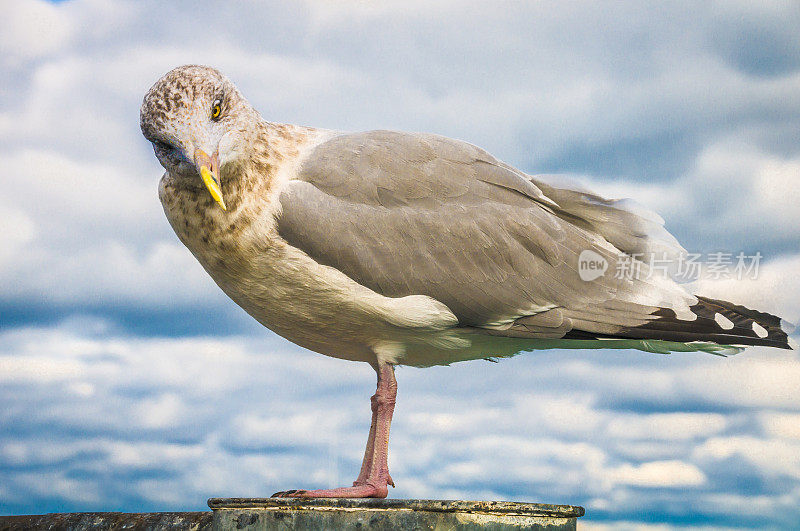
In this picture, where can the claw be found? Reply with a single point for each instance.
(286, 493)
(362, 491)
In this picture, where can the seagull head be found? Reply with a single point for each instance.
(197, 121)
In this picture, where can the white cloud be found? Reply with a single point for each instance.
(784, 425)
(159, 412)
(777, 184)
(774, 457)
(659, 474)
(297, 429)
(30, 30)
(82, 173)
(623, 525)
(119, 407)
(736, 197)
(669, 426)
(18, 229)
(757, 188)
(15, 369)
(69, 195)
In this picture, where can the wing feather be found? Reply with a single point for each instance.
(407, 214)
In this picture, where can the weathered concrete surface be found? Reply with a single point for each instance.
(200, 521)
(350, 514)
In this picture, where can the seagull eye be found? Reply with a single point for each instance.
(162, 146)
(216, 109)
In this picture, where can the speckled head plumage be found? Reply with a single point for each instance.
(198, 122)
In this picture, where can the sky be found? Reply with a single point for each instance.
(129, 382)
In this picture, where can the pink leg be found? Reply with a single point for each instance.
(374, 477)
(366, 463)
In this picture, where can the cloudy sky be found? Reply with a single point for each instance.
(129, 382)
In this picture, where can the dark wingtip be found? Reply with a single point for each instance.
(718, 321)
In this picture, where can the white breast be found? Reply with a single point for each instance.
(310, 304)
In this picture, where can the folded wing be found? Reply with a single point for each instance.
(408, 214)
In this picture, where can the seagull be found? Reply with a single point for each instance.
(396, 248)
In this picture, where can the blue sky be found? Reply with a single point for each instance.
(129, 381)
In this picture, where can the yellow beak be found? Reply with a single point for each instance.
(209, 171)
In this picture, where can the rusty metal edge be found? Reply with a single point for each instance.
(439, 506)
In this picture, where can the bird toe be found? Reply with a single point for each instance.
(293, 493)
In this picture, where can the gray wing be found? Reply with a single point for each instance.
(407, 214)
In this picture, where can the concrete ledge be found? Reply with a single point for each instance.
(321, 513)
(200, 521)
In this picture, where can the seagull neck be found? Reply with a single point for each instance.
(281, 142)
(272, 149)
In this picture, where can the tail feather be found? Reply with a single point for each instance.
(717, 321)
